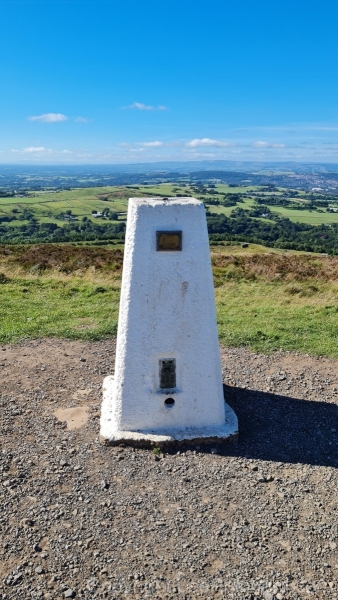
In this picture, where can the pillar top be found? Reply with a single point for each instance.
(160, 201)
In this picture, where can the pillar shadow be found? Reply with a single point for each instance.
(283, 429)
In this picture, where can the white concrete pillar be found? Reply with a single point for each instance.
(167, 384)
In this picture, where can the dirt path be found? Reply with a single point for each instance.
(254, 520)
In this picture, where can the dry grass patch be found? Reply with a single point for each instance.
(65, 258)
(290, 267)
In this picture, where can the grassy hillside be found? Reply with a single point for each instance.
(81, 202)
(49, 205)
(265, 300)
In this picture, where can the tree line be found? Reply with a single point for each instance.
(241, 226)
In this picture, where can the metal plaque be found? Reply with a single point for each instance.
(168, 240)
(167, 373)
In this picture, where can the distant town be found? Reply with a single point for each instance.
(18, 180)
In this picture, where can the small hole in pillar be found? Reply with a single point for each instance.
(169, 402)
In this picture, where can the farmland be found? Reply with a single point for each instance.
(268, 215)
(49, 205)
(81, 202)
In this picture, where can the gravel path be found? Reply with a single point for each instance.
(257, 519)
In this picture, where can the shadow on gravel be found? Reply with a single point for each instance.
(283, 429)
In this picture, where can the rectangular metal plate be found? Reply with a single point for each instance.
(167, 373)
(168, 240)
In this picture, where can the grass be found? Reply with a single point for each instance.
(48, 307)
(270, 316)
(275, 301)
(59, 291)
(265, 300)
(306, 216)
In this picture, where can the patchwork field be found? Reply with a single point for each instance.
(81, 202)
(47, 206)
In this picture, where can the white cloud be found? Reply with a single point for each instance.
(40, 150)
(49, 118)
(195, 155)
(260, 144)
(140, 106)
(37, 149)
(151, 144)
(197, 143)
(81, 120)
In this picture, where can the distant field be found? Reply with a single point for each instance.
(307, 216)
(81, 202)
(47, 206)
(311, 217)
(266, 299)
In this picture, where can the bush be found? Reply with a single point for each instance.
(3, 278)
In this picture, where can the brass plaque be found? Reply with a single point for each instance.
(167, 373)
(168, 240)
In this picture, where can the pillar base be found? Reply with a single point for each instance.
(228, 432)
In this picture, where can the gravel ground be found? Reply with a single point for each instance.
(256, 519)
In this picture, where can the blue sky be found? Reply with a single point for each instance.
(111, 81)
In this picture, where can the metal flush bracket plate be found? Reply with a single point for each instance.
(168, 241)
(167, 372)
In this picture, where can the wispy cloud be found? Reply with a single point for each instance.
(261, 144)
(41, 150)
(195, 155)
(35, 150)
(151, 144)
(207, 142)
(49, 118)
(140, 106)
(81, 120)
(292, 127)
(320, 128)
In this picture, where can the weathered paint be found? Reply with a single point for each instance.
(167, 311)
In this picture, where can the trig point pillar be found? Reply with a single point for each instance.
(167, 385)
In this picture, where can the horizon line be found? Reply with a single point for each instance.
(178, 162)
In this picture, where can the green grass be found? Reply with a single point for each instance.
(266, 300)
(247, 204)
(163, 188)
(35, 306)
(267, 316)
(222, 188)
(306, 216)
